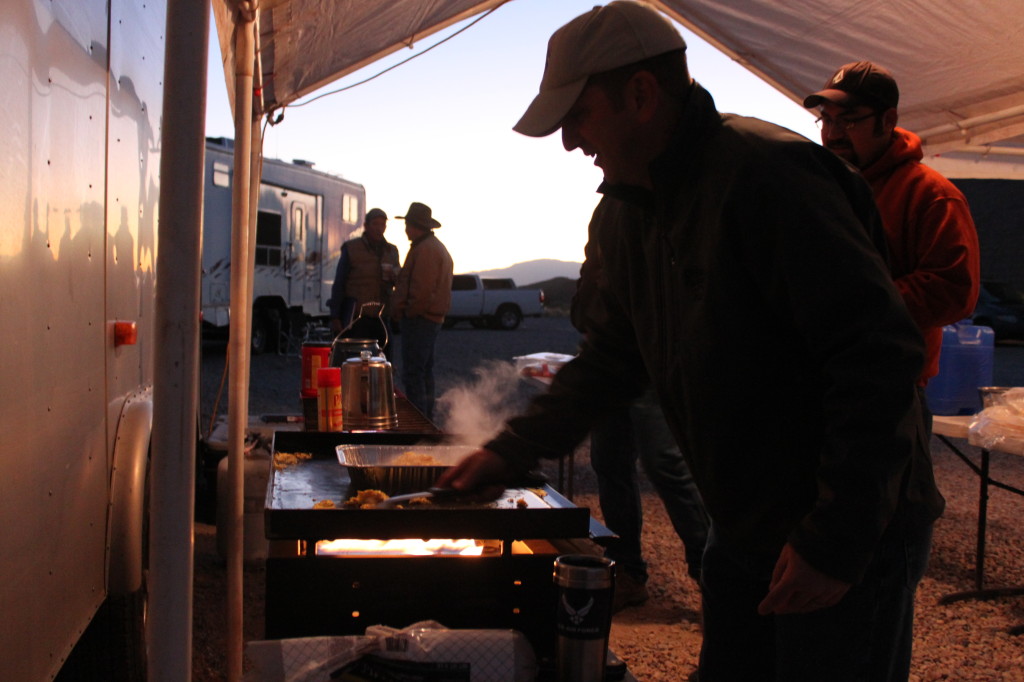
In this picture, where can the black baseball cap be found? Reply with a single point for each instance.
(858, 83)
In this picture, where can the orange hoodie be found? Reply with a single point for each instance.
(933, 244)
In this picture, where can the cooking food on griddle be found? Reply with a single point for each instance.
(366, 499)
(283, 460)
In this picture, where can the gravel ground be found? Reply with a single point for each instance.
(964, 640)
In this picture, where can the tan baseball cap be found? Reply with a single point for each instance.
(605, 38)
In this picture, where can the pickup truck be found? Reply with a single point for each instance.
(487, 306)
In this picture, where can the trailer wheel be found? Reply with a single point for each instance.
(113, 647)
(261, 332)
(508, 318)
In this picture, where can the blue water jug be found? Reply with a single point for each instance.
(964, 365)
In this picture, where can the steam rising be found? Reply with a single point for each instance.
(473, 413)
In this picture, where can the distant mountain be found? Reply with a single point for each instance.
(534, 271)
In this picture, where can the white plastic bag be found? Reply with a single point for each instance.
(304, 659)
(1000, 426)
(424, 650)
(542, 365)
(480, 655)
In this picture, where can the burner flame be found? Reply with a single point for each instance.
(377, 548)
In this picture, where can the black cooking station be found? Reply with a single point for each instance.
(509, 586)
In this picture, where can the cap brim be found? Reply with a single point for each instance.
(840, 97)
(546, 111)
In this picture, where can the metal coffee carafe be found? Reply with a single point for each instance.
(367, 393)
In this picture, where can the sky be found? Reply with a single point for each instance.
(438, 130)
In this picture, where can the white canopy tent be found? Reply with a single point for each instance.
(957, 62)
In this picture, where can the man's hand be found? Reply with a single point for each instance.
(335, 326)
(798, 587)
(481, 474)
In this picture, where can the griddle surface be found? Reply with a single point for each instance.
(292, 492)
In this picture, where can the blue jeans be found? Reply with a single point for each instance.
(866, 637)
(615, 445)
(419, 336)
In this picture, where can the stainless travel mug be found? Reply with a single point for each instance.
(584, 615)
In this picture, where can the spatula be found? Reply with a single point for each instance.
(429, 493)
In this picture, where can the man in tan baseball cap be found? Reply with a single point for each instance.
(737, 261)
(600, 41)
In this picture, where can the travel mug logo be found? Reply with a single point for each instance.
(584, 614)
(577, 616)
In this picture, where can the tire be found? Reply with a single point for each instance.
(261, 332)
(508, 317)
(113, 647)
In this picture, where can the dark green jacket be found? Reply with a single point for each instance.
(747, 286)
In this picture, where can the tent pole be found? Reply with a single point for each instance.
(967, 132)
(176, 344)
(239, 331)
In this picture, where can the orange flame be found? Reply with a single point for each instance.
(446, 547)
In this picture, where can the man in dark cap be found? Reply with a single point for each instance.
(367, 271)
(741, 279)
(422, 296)
(932, 242)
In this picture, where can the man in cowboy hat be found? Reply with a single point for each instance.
(422, 296)
(740, 276)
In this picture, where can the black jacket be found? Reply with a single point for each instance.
(747, 287)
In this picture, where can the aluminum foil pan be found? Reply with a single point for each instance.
(399, 469)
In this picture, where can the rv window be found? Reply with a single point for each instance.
(298, 223)
(350, 209)
(221, 175)
(268, 238)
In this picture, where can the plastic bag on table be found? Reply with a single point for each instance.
(1001, 425)
(304, 659)
(544, 365)
(429, 652)
(422, 652)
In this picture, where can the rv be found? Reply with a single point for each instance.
(304, 216)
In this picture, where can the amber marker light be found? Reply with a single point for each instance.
(126, 333)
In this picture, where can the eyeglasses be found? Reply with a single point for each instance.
(842, 124)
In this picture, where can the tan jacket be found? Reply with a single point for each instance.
(424, 287)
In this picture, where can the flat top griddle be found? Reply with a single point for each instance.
(292, 492)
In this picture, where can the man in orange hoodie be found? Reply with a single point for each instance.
(933, 244)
